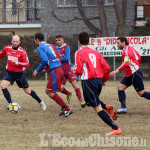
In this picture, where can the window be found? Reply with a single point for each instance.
(69, 3)
(140, 12)
(33, 9)
(14, 7)
(108, 2)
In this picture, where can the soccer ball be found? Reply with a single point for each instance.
(14, 107)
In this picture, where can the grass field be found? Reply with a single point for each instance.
(24, 130)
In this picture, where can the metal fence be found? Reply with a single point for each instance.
(19, 15)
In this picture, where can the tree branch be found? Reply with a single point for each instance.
(91, 26)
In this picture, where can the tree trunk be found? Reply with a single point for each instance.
(120, 14)
(103, 19)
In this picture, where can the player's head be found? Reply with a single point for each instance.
(15, 42)
(83, 38)
(38, 38)
(59, 40)
(122, 42)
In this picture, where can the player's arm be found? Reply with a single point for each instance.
(66, 56)
(126, 63)
(78, 69)
(44, 60)
(106, 70)
(2, 53)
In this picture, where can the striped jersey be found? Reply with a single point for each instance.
(90, 64)
(131, 61)
(19, 55)
(64, 52)
(49, 55)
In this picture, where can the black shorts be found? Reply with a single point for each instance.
(136, 79)
(91, 91)
(19, 77)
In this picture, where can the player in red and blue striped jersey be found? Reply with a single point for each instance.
(64, 52)
(133, 75)
(49, 56)
(94, 71)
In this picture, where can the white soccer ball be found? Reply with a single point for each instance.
(14, 107)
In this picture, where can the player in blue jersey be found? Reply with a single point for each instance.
(64, 52)
(50, 57)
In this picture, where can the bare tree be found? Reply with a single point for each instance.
(120, 11)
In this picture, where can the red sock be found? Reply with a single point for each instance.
(60, 101)
(78, 93)
(64, 91)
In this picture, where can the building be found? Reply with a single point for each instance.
(142, 12)
(20, 17)
(67, 10)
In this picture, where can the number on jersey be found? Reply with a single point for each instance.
(92, 58)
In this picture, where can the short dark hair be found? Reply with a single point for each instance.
(84, 38)
(39, 36)
(59, 36)
(123, 39)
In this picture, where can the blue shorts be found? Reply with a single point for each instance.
(19, 77)
(91, 91)
(136, 79)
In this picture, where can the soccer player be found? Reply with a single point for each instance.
(64, 52)
(133, 75)
(94, 72)
(50, 57)
(17, 61)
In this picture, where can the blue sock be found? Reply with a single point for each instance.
(122, 98)
(7, 95)
(146, 95)
(105, 117)
(35, 96)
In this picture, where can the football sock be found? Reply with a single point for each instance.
(7, 95)
(60, 101)
(66, 107)
(105, 117)
(103, 105)
(64, 91)
(78, 94)
(35, 96)
(122, 98)
(146, 95)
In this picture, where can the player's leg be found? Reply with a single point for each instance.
(22, 82)
(54, 85)
(125, 83)
(36, 97)
(139, 85)
(4, 85)
(65, 109)
(72, 79)
(106, 118)
(91, 91)
(66, 92)
(6, 81)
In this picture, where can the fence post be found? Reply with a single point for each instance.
(114, 60)
(45, 37)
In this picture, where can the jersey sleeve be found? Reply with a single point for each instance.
(2, 53)
(25, 61)
(126, 61)
(44, 59)
(66, 57)
(106, 70)
(78, 64)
